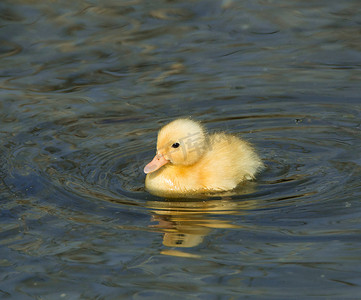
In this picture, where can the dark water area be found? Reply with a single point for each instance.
(86, 85)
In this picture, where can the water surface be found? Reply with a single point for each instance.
(85, 86)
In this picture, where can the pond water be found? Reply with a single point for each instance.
(86, 85)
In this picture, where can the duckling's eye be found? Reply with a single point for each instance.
(175, 145)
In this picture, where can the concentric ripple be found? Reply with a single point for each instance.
(308, 164)
(89, 170)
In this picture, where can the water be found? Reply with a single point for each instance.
(85, 85)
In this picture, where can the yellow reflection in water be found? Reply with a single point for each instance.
(185, 223)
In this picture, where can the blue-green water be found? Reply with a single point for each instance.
(84, 88)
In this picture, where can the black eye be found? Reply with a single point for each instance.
(175, 145)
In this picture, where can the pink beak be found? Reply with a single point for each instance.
(157, 162)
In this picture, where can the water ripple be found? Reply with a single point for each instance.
(85, 86)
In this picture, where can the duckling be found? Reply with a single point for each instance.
(190, 161)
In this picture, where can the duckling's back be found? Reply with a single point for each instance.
(228, 161)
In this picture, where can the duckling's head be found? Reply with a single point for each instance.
(181, 142)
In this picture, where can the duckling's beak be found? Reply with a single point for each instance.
(157, 162)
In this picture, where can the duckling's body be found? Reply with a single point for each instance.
(190, 161)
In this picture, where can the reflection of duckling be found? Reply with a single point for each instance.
(185, 223)
(190, 161)
(181, 231)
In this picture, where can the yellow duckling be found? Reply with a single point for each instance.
(189, 161)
